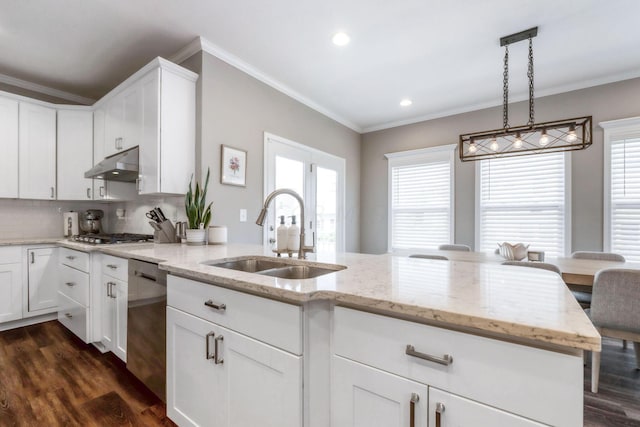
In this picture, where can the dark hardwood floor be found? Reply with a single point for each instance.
(617, 402)
(48, 377)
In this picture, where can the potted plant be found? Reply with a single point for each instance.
(198, 213)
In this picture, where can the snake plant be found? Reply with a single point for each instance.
(194, 205)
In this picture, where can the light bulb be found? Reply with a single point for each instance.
(544, 138)
(494, 145)
(518, 142)
(340, 39)
(571, 136)
(472, 147)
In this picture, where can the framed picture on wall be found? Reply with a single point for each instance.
(233, 167)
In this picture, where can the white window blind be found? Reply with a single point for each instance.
(421, 213)
(624, 232)
(522, 199)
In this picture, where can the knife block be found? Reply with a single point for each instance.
(166, 233)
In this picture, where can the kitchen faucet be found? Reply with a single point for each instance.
(302, 251)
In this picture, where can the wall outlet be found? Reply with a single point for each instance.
(243, 215)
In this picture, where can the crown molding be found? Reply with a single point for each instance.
(45, 90)
(202, 44)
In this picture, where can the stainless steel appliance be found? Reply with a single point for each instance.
(113, 238)
(90, 221)
(146, 325)
(118, 167)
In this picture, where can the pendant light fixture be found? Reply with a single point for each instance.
(532, 138)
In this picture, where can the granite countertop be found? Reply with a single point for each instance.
(520, 303)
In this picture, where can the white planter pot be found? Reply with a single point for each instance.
(217, 235)
(196, 237)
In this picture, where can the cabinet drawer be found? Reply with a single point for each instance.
(114, 267)
(73, 316)
(10, 254)
(74, 284)
(273, 322)
(75, 259)
(532, 382)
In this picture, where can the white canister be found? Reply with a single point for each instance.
(217, 235)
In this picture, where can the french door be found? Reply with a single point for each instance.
(318, 178)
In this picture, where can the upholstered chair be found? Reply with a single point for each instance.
(584, 298)
(541, 265)
(463, 248)
(429, 256)
(615, 311)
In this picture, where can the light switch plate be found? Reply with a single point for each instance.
(243, 215)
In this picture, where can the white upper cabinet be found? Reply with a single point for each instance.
(9, 138)
(123, 121)
(37, 158)
(75, 154)
(167, 148)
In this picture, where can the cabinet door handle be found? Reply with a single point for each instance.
(112, 266)
(33, 258)
(439, 411)
(108, 289)
(70, 257)
(216, 357)
(412, 409)
(208, 354)
(88, 193)
(70, 284)
(113, 284)
(52, 192)
(215, 305)
(69, 315)
(102, 191)
(444, 360)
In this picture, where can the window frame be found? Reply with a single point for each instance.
(614, 130)
(417, 157)
(567, 205)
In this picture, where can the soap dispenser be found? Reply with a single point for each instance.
(293, 236)
(282, 235)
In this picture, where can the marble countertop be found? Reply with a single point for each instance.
(29, 241)
(520, 303)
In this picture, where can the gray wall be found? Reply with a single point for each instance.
(236, 110)
(606, 102)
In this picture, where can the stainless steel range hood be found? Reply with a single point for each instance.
(118, 167)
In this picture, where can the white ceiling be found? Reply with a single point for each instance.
(444, 55)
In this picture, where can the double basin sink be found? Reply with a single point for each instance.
(284, 269)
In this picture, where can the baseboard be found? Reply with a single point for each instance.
(28, 321)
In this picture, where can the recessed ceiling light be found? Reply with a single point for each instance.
(406, 102)
(340, 39)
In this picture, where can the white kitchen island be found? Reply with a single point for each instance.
(386, 341)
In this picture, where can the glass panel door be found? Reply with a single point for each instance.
(319, 179)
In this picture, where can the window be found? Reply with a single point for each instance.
(421, 198)
(524, 199)
(622, 188)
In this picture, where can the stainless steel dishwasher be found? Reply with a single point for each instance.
(146, 325)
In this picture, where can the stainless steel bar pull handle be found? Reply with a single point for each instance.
(88, 193)
(101, 191)
(208, 354)
(112, 266)
(70, 284)
(52, 192)
(113, 284)
(215, 305)
(444, 360)
(146, 276)
(439, 411)
(33, 258)
(412, 409)
(68, 315)
(216, 357)
(70, 257)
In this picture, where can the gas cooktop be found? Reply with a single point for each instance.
(107, 239)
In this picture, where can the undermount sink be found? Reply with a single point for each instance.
(284, 269)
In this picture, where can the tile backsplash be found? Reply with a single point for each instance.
(43, 218)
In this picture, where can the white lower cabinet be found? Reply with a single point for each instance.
(446, 409)
(217, 377)
(42, 281)
(362, 396)
(10, 285)
(113, 312)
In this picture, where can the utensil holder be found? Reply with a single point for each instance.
(166, 233)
